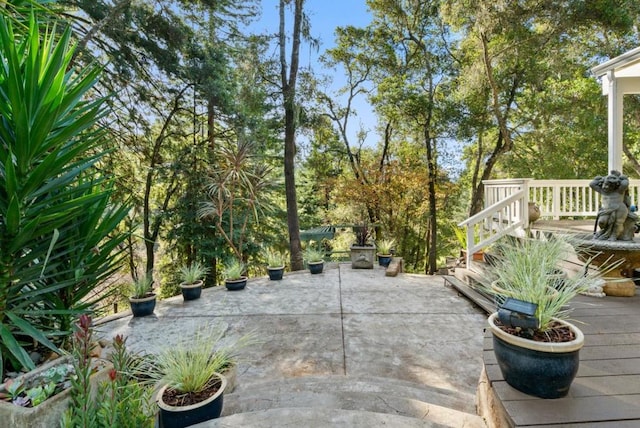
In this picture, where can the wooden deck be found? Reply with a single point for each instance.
(606, 391)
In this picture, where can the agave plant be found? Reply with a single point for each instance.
(55, 208)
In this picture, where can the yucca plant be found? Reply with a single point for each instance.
(55, 208)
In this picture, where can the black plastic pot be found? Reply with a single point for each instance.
(546, 371)
(315, 267)
(184, 416)
(384, 260)
(191, 291)
(275, 274)
(235, 284)
(144, 306)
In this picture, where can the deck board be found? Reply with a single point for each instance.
(606, 391)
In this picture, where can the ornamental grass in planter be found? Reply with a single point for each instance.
(315, 259)
(384, 248)
(191, 280)
(192, 376)
(233, 272)
(143, 299)
(540, 360)
(275, 264)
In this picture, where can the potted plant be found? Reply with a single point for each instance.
(536, 348)
(362, 251)
(193, 387)
(143, 299)
(275, 264)
(191, 277)
(384, 251)
(234, 275)
(315, 259)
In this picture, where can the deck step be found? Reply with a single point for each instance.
(466, 290)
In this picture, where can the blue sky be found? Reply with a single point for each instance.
(325, 16)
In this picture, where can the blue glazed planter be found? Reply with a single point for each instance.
(384, 260)
(541, 369)
(191, 291)
(315, 267)
(144, 306)
(275, 274)
(184, 416)
(235, 284)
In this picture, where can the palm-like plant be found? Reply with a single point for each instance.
(55, 209)
(237, 191)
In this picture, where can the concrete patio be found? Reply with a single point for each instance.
(343, 348)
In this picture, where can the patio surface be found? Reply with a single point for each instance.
(343, 348)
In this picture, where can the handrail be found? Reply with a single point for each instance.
(495, 221)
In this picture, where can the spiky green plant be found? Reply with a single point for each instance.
(384, 246)
(55, 208)
(527, 270)
(190, 366)
(193, 273)
(275, 259)
(233, 269)
(313, 255)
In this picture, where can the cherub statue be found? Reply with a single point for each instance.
(615, 219)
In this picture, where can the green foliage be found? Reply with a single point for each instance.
(233, 269)
(528, 270)
(55, 208)
(121, 401)
(193, 273)
(191, 365)
(141, 287)
(313, 255)
(385, 246)
(275, 258)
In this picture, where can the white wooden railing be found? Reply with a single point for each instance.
(506, 207)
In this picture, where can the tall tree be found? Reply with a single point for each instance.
(288, 79)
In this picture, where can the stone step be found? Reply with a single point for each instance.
(313, 417)
(363, 394)
(345, 385)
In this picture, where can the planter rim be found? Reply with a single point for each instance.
(165, 406)
(315, 263)
(243, 278)
(551, 347)
(275, 267)
(384, 255)
(194, 285)
(363, 247)
(144, 299)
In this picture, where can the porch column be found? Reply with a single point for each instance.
(615, 111)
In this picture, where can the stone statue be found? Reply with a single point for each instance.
(615, 219)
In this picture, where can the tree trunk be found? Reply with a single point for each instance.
(289, 95)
